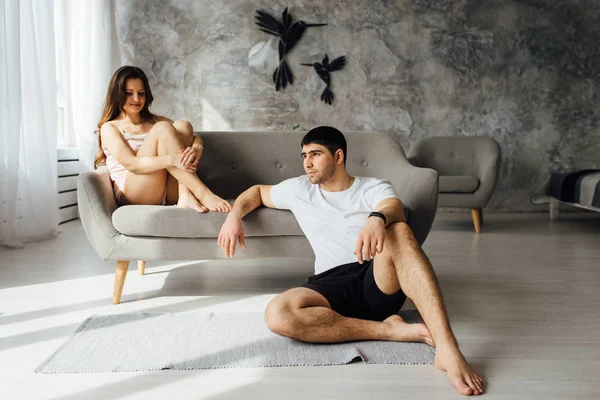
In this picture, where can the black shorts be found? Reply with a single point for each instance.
(352, 292)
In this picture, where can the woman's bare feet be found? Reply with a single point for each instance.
(463, 377)
(214, 202)
(187, 200)
(404, 332)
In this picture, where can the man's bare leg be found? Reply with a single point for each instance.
(403, 257)
(306, 315)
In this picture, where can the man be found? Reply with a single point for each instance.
(367, 260)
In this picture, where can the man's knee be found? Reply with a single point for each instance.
(400, 228)
(402, 233)
(279, 317)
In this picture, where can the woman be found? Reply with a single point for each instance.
(151, 159)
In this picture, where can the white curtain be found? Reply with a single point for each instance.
(88, 55)
(28, 196)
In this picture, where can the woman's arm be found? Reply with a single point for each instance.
(198, 144)
(113, 141)
(191, 155)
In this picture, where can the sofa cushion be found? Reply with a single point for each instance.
(171, 221)
(458, 184)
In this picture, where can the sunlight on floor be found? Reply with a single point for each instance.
(42, 316)
(522, 297)
(204, 378)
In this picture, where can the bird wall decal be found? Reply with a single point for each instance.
(289, 33)
(324, 70)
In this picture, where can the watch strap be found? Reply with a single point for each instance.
(378, 214)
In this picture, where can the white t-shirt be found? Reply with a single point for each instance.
(331, 221)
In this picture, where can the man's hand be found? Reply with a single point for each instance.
(230, 233)
(370, 239)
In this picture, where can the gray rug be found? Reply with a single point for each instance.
(185, 341)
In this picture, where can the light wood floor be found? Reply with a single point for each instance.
(523, 298)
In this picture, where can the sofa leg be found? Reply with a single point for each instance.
(120, 276)
(141, 267)
(554, 204)
(477, 215)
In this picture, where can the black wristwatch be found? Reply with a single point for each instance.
(378, 214)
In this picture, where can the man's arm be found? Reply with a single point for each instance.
(393, 209)
(232, 230)
(372, 235)
(250, 200)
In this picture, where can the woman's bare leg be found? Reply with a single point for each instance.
(186, 137)
(177, 193)
(163, 139)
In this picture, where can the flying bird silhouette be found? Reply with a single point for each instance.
(289, 33)
(324, 70)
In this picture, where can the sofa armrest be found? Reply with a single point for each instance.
(488, 168)
(416, 187)
(96, 203)
(420, 195)
(477, 156)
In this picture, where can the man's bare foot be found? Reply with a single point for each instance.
(463, 377)
(187, 200)
(214, 202)
(404, 332)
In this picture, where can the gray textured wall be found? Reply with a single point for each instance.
(526, 73)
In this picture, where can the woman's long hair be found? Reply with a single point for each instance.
(116, 96)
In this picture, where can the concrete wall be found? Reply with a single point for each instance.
(523, 72)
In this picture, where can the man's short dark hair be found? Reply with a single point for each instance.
(328, 137)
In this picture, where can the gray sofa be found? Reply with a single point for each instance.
(232, 162)
(468, 168)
